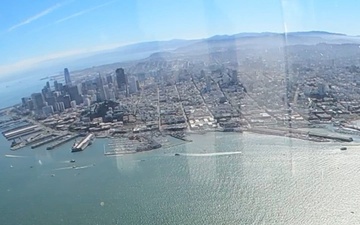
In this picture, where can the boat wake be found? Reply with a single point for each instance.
(210, 154)
(15, 156)
(75, 167)
(65, 168)
(84, 167)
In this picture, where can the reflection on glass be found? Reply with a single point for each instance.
(189, 112)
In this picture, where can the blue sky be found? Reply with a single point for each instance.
(34, 31)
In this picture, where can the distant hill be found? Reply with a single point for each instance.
(267, 40)
(241, 40)
(212, 44)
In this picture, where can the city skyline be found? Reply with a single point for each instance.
(43, 31)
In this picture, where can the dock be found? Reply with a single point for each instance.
(25, 134)
(62, 141)
(11, 123)
(48, 141)
(86, 141)
(19, 132)
(180, 137)
(333, 137)
(35, 140)
(16, 128)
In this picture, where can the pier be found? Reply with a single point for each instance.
(16, 128)
(35, 140)
(48, 141)
(62, 141)
(37, 130)
(180, 137)
(11, 123)
(18, 132)
(86, 141)
(333, 137)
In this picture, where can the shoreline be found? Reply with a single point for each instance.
(290, 133)
(301, 134)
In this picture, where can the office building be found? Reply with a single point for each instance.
(25, 102)
(94, 98)
(111, 94)
(106, 93)
(109, 79)
(59, 107)
(102, 94)
(48, 110)
(56, 85)
(208, 83)
(38, 101)
(138, 85)
(73, 104)
(234, 77)
(66, 101)
(132, 85)
(87, 101)
(322, 89)
(51, 100)
(46, 92)
(74, 94)
(67, 76)
(121, 79)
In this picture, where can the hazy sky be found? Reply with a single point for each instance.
(34, 31)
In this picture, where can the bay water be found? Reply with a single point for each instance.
(219, 178)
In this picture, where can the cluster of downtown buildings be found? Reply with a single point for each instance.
(59, 97)
(169, 100)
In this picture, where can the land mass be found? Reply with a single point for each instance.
(279, 84)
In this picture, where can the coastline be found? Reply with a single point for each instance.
(149, 142)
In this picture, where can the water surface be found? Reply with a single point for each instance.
(220, 178)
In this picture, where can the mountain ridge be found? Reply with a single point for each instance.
(143, 50)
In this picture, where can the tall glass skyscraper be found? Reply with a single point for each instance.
(121, 79)
(67, 76)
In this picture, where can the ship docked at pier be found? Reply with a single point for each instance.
(83, 143)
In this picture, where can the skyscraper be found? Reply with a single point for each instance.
(67, 76)
(38, 101)
(234, 77)
(25, 101)
(74, 94)
(138, 85)
(132, 85)
(48, 110)
(59, 106)
(46, 92)
(208, 83)
(109, 79)
(100, 87)
(66, 101)
(56, 85)
(50, 100)
(121, 79)
(322, 89)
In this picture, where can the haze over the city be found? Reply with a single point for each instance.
(41, 31)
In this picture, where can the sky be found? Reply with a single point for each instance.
(32, 32)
